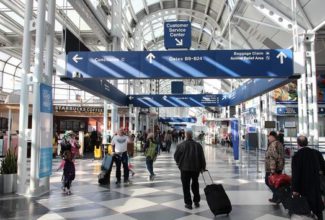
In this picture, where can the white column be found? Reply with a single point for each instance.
(48, 78)
(136, 120)
(105, 123)
(147, 122)
(39, 46)
(23, 106)
(130, 119)
(124, 121)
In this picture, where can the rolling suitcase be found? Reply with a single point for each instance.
(103, 177)
(217, 198)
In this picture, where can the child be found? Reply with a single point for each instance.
(68, 172)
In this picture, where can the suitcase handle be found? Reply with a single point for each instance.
(209, 176)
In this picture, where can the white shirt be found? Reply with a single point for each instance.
(120, 143)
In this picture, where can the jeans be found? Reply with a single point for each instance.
(186, 177)
(149, 164)
(121, 159)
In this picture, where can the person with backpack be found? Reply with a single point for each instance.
(68, 172)
(150, 152)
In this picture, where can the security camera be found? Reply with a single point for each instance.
(76, 75)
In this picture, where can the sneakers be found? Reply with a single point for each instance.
(188, 206)
(68, 192)
(118, 182)
(197, 205)
(133, 173)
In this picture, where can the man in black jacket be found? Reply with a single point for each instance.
(190, 159)
(306, 166)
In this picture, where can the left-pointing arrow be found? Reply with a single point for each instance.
(76, 58)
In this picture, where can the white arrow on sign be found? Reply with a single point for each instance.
(179, 42)
(281, 56)
(150, 57)
(130, 97)
(164, 97)
(76, 58)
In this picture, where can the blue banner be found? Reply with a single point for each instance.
(235, 138)
(181, 64)
(253, 88)
(177, 34)
(100, 88)
(45, 165)
(191, 100)
(177, 119)
(46, 98)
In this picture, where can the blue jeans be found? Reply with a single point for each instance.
(149, 164)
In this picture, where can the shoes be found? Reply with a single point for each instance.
(277, 201)
(197, 205)
(118, 182)
(68, 192)
(188, 206)
(127, 182)
(152, 177)
(133, 173)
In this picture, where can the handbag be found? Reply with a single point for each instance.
(277, 180)
(298, 205)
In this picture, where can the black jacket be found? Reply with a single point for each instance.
(305, 166)
(189, 156)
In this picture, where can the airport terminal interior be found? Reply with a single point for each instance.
(77, 73)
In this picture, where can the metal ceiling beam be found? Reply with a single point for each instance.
(8, 24)
(161, 4)
(207, 6)
(261, 23)
(243, 37)
(145, 6)
(229, 19)
(132, 11)
(91, 20)
(304, 15)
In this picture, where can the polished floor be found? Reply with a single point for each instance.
(161, 199)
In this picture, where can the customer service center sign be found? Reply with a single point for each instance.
(177, 34)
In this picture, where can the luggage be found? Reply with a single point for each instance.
(107, 162)
(277, 180)
(104, 177)
(284, 194)
(217, 198)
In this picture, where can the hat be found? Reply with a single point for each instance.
(273, 133)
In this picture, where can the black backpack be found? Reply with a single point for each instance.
(65, 146)
(69, 170)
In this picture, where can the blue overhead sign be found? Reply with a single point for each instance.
(177, 34)
(181, 64)
(190, 100)
(177, 119)
(100, 88)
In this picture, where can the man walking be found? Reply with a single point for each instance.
(189, 157)
(120, 155)
(306, 166)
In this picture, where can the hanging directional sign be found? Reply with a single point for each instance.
(181, 64)
(177, 119)
(177, 34)
(191, 100)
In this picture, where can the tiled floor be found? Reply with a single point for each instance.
(145, 200)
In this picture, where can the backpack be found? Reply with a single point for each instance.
(151, 152)
(69, 170)
(65, 146)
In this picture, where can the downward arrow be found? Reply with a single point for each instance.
(282, 56)
(179, 42)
